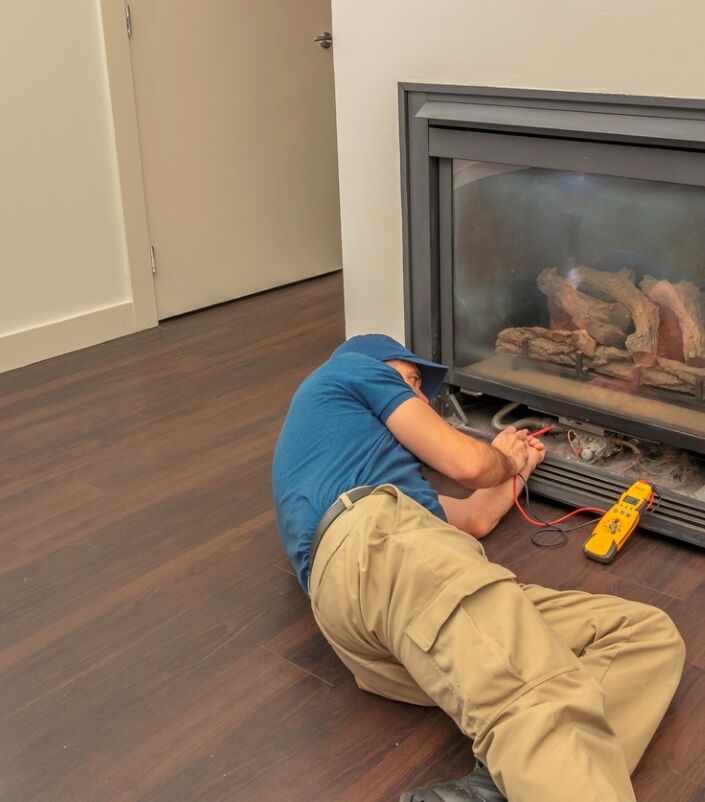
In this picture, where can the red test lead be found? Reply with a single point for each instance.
(545, 430)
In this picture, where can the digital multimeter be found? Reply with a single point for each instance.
(615, 526)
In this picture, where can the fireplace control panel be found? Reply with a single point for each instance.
(613, 529)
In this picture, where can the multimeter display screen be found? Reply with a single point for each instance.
(631, 500)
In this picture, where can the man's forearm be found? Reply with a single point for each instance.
(489, 466)
(472, 463)
(479, 513)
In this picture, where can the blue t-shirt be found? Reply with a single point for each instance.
(334, 438)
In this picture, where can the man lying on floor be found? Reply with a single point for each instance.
(559, 691)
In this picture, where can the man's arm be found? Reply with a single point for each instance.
(479, 513)
(469, 462)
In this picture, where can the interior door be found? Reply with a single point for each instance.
(235, 110)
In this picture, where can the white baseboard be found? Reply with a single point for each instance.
(24, 347)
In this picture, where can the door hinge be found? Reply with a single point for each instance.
(153, 258)
(128, 19)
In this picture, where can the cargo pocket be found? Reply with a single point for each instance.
(424, 627)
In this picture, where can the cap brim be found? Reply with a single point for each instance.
(432, 375)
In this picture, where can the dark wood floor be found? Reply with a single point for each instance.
(154, 644)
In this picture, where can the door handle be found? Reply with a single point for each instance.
(325, 39)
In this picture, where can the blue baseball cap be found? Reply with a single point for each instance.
(384, 348)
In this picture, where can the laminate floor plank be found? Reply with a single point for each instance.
(43, 503)
(657, 786)
(689, 617)
(678, 747)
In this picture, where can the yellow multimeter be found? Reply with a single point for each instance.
(615, 526)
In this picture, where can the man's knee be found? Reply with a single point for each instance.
(669, 635)
(656, 627)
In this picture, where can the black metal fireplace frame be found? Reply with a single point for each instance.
(661, 139)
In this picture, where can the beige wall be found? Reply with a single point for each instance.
(644, 47)
(64, 279)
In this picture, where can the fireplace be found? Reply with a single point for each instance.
(555, 260)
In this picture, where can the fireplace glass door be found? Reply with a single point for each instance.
(584, 289)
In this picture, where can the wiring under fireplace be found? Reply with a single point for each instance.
(631, 457)
(592, 447)
(673, 467)
(588, 446)
(531, 422)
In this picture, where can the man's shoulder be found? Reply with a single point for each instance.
(346, 360)
(347, 368)
(349, 381)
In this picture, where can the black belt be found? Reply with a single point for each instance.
(332, 513)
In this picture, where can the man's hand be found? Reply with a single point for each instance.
(515, 446)
(536, 454)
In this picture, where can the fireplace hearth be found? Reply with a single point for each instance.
(555, 261)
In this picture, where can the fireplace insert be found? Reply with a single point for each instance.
(554, 251)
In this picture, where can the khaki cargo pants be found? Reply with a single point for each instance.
(560, 691)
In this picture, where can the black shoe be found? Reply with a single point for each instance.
(477, 786)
